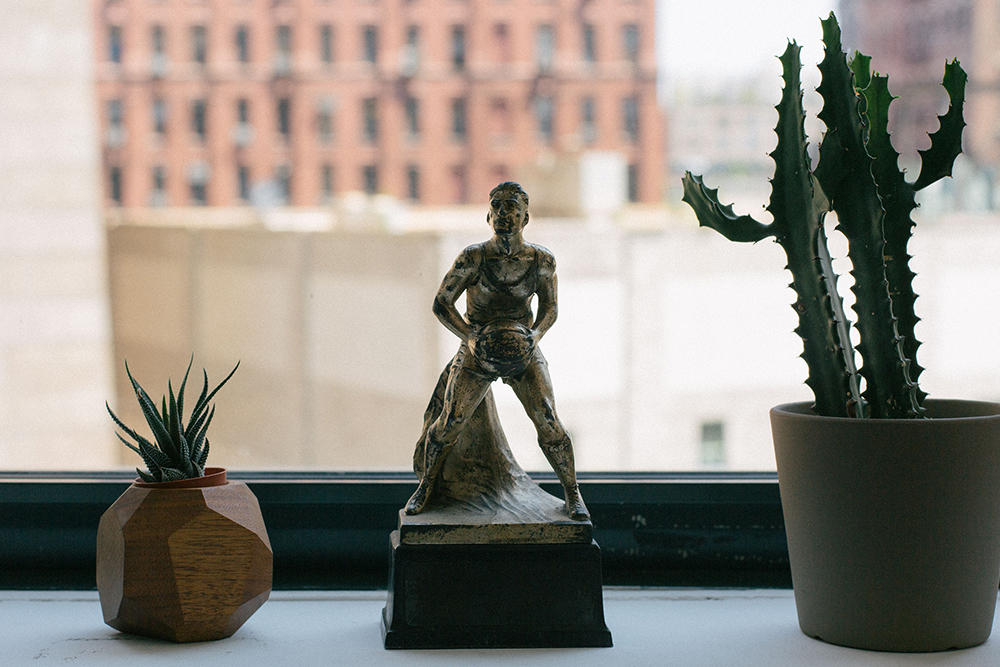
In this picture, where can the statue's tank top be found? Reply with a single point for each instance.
(491, 298)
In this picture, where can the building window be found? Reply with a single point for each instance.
(369, 113)
(369, 175)
(326, 179)
(116, 123)
(160, 116)
(242, 42)
(633, 183)
(199, 44)
(324, 120)
(243, 133)
(588, 123)
(630, 118)
(158, 60)
(412, 111)
(413, 183)
(115, 185)
(199, 121)
(158, 197)
(458, 120)
(460, 186)
(589, 46)
(283, 177)
(283, 50)
(115, 44)
(326, 44)
(458, 47)
(544, 118)
(500, 118)
(545, 48)
(630, 43)
(284, 112)
(501, 34)
(198, 173)
(411, 53)
(370, 44)
(713, 443)
(243, 182)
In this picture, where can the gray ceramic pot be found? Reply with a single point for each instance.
(893, 525)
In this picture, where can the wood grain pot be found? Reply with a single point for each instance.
(185, 564)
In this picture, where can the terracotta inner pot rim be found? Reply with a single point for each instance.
(967, 409)
(213, 477)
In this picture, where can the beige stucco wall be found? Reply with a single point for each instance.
(54, 327)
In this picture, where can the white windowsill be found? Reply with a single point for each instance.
(690, 627)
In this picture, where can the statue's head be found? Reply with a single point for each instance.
(508, 213)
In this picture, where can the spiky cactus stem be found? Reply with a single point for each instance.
(798, 209)
(848, 181)
(845, 173)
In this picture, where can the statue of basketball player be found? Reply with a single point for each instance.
(500, 341)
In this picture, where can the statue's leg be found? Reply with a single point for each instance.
(463, 393)
(533, 388)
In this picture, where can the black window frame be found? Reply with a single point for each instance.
(330, 530)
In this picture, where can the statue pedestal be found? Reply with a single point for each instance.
(494, 596)
(491, 592)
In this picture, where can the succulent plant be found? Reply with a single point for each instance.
(858, 177)
(179, 451)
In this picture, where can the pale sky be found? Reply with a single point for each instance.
(725, 39)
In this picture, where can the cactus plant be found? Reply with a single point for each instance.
(857, 176)
(179, 451)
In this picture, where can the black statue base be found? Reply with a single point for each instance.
(494, 596)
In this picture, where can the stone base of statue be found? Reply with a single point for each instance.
(494, 561)
(494, 596)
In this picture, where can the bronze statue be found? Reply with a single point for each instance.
(500, 338)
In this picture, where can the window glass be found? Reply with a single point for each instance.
(671, 343)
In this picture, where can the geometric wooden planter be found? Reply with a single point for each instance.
(184, 564)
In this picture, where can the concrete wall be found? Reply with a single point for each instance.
(54, 326)
(662, 330)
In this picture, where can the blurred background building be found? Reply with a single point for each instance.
(432, 101)
(284, 182)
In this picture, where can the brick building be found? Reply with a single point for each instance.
(222, 102)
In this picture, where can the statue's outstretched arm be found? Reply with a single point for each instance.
(455, 282)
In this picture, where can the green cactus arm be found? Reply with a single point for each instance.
(798, 206)
(898, 202)
(720, 217)
(855, 404)
(861, 67)
(845, 174)
(937, 161)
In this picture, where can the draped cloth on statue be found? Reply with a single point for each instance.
(483, 495)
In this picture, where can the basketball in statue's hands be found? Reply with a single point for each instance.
(503, 347)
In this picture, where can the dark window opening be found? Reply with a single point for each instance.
(458, 119)
(370, 119)
(370, 177)
(115, 185)
(199, 44)
(458, 47)
(242, 41)
(413, 183)
(370, 44)
(115, 44)
(326, 44)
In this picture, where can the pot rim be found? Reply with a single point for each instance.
(958, 410)
(212, 477)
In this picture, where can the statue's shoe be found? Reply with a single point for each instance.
(417, 502)
(575, 506)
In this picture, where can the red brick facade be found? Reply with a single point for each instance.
(460, 93)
